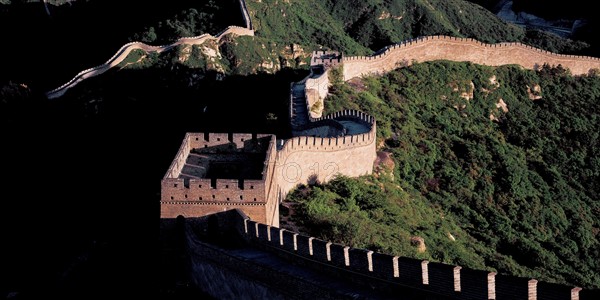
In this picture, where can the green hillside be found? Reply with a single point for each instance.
(361, 27)
(480, 149)
(512, 191)
(353, 27)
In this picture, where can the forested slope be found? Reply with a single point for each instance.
(361, 27)
(508, 155)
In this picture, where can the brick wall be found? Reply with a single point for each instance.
(122, 53)
(199, 197)
(305, 158)
(460, 49)
(424, 276)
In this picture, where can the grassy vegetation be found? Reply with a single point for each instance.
(375, 213)
(519, 193)
(354, 27)
(233, 55)
(139, 59)
(196, 58)
(361, 27)
(211, 16)
(301, 22)
(250, 55)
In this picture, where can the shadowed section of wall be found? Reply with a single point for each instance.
(441, 278)
(429, 279)
(461, 49)
(246, 15)
(316, 89)
(225, 265)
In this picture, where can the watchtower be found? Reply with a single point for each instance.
(214, 172)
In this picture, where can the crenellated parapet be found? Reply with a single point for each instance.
(219, 171)
(432, 48)
(348, 114)
(334, 143)
(447, 281)
(306, 159)
(122, 53)
(327, 59)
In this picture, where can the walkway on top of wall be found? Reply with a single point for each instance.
(302, 125)
(299, 113)
(291, 278)
(122, 53)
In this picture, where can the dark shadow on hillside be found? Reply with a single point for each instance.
(82, 172)
(167, 99)
(46, 51)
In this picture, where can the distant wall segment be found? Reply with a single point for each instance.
(127, 48)
(246, 15)
(432, 48)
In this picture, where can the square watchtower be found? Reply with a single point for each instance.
(214, 172)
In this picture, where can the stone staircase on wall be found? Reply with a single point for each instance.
(299, 111)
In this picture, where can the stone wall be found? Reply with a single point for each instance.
(127, 48)
(203, 196)
(460, 49)
(219, 190)
(299, 161)
(246, 15)
(428, 277)
(189, 209)
(303, 159)
(316, 89)
(272, 190)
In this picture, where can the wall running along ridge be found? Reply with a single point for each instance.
(127, 48)
(432, 48)
(446, 280)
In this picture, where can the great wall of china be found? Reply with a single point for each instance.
(321, 147)
(395, 277)
(298, 160)
(452, 281)
(422, 49)
(124, 51)
(431, 48)
(317, 154)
